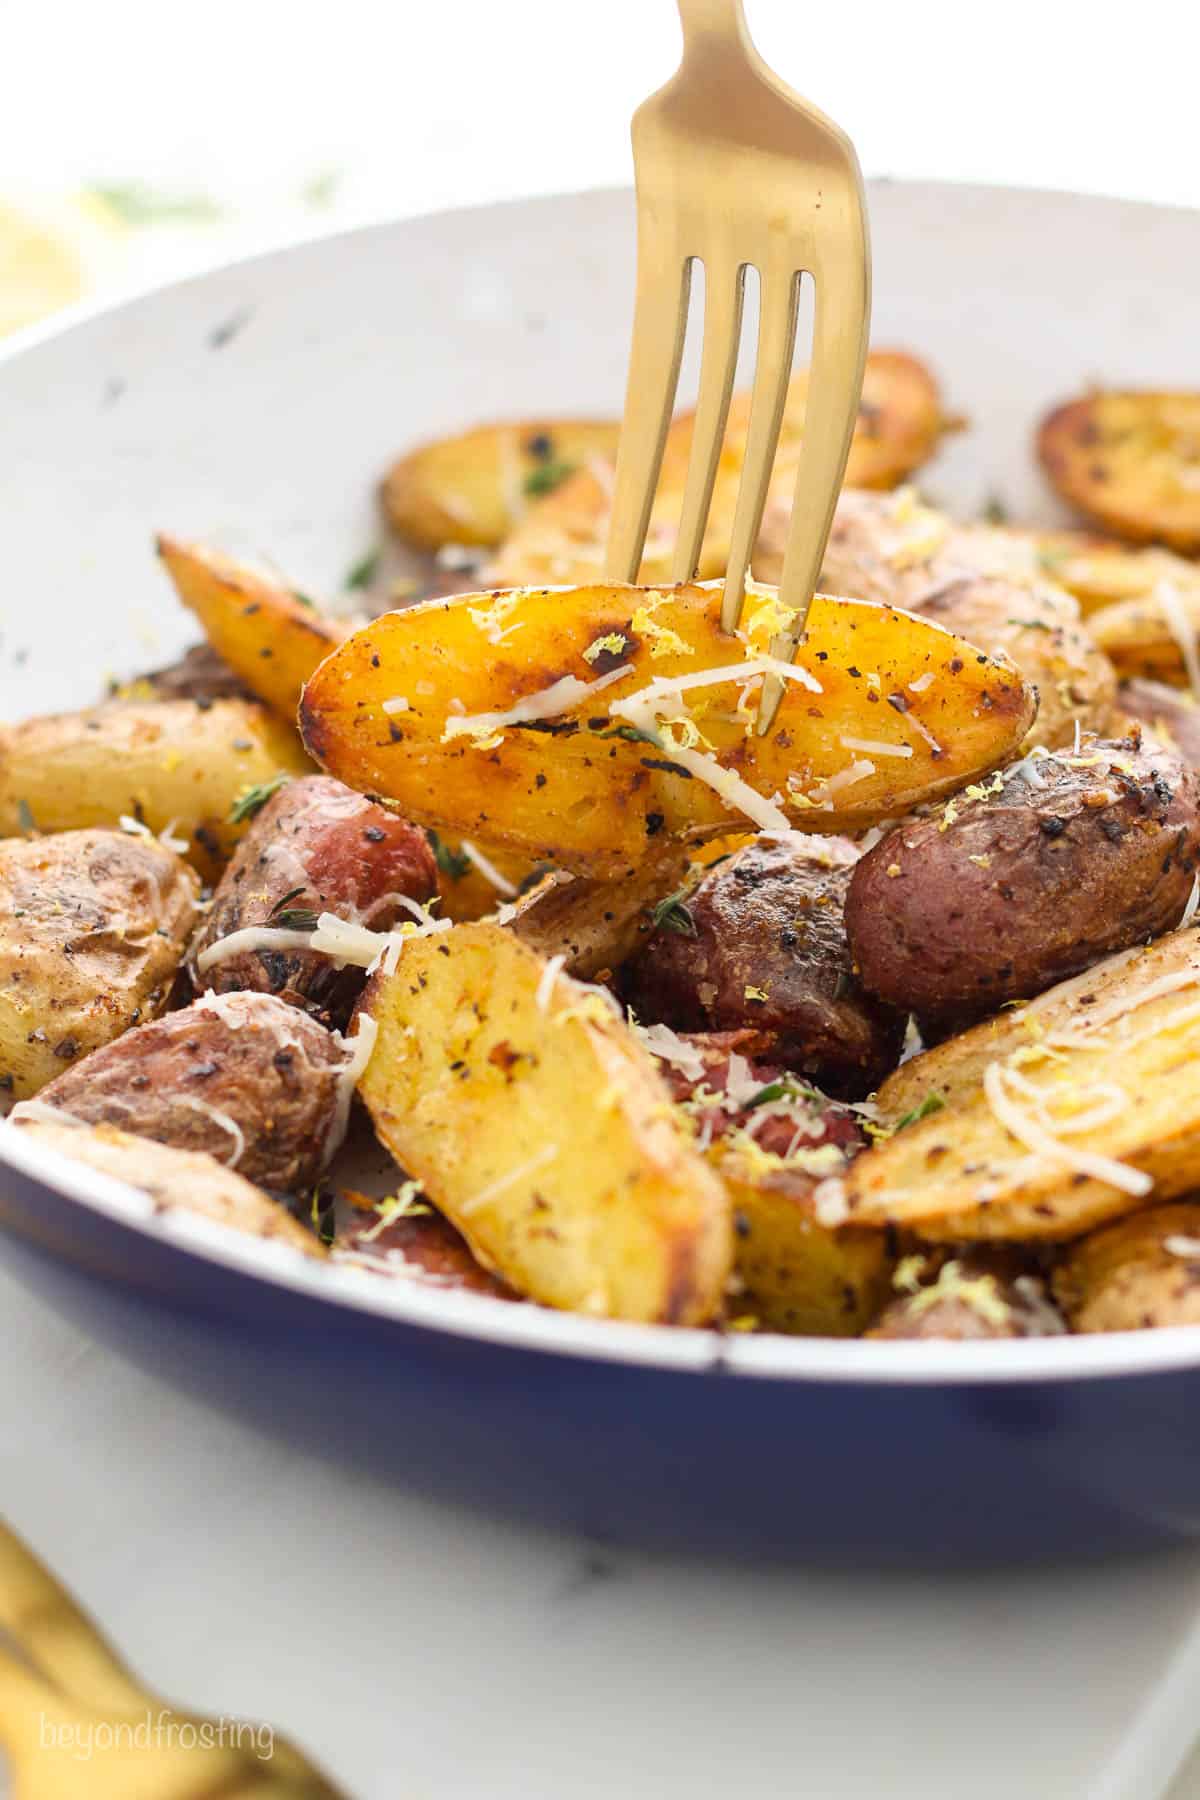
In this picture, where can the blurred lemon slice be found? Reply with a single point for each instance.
(51, 255)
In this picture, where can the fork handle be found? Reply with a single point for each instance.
(708, 19)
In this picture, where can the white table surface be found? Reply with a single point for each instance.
(424, 1652)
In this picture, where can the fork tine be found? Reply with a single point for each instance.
(776, 338)
(840, 329)
(659, 325)
(724, 292)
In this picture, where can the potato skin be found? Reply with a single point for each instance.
(767, 949)
(1099, 856)
(178, 763)
(473, 488)
(421, 1247)
(1139, 1274)
(271, 1072)
(257, 626)
(345, 855)
(92, 929)
(1128, 459)
(985, 1291)
(176, 1180)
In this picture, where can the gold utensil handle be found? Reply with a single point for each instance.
(78, 1725)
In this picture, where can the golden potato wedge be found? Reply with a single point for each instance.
(444, 710)
(1094, 1108)
(985, 584)
(93, 927)
(798, 1275)
(542, 1130)
(1154, 634)
(270, 639)
(474, 487)
(1138, 1274)
(562, 537)
(170, 763)
(1099, 571)
(1130, 460)
(597, 925)
(187, 1180)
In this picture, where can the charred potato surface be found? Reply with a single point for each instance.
(575, 744)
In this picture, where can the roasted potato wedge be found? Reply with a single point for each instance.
(1095, 1110)
(1099, 571)
(260, 629)
(1135, 1275)
(1130, 460)
(562, 537)
(1154, 635)
(430, 709)
(597, 925)
(93, 926)
(182, 1180)
(539, 1127)
(474, 487)
(169, 763)
(984, 584)
(796, 1274)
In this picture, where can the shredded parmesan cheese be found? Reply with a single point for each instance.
(1038, 1138)
(875, 746)
(546, 982)
(488, 870)
(545, 1155)
(397, 704)
(547, 703)
(359, 1049)
(1175, 1245)
(138, 828)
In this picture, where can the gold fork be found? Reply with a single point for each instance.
(735, 171)
(76, 1724)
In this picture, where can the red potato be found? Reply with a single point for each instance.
(314, 847)
(1026, 880)
(759, 942)
(249, 1080)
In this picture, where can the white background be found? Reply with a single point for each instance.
(414, 105)
(425, 103)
